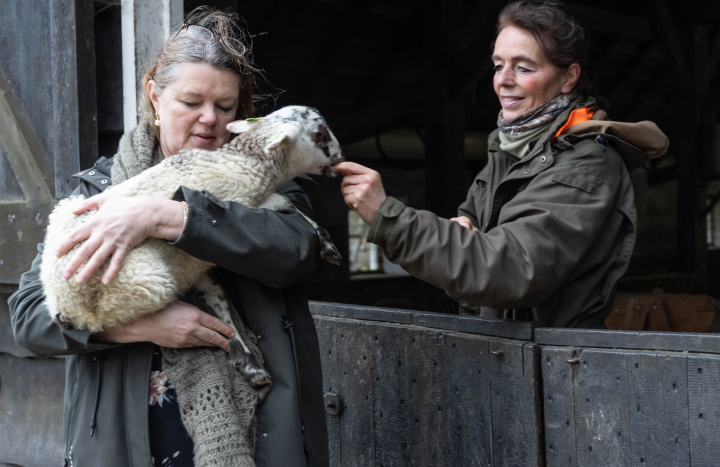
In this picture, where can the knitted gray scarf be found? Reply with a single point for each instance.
(217, 405)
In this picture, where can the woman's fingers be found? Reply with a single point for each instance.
(465, 222)
(96, 260)
(82, 255)
(115, 262)
(215, 324)
(351, 168)
(214, 339)
(90, 204)
(80, 234)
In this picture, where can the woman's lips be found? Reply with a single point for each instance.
(203, 138)
(509, 101)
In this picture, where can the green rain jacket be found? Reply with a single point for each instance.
(556, 229)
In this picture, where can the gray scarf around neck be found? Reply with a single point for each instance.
(217, 404)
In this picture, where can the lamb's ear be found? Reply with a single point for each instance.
(287, 133)
(239, 126)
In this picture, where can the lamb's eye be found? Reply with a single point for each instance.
(319, 136)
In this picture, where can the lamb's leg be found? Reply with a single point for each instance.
(329, 251)
(241, 358)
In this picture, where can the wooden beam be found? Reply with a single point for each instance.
(667, 35)
(14, 143)
(642, 71)
(604, 20)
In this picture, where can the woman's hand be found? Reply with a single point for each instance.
(178, 325)
(362, 188)
(120, 224)
(465, 222)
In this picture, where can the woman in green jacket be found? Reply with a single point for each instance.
(120, 409)
(549, 225)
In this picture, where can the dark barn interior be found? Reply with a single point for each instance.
(407, 89)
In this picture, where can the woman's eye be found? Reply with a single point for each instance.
(523, 70)
(497, 68)
(190, 104)
(225, 109)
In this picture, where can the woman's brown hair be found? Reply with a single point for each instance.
(219, 53)
(560, 36)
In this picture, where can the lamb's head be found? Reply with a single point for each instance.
(298, 136)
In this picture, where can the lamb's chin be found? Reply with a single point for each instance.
(328, 171)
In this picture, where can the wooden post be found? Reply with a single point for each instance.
(444, 120)
(146, 25)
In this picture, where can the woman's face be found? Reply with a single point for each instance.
(195, 108)
(524, 77)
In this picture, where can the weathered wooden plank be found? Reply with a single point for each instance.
(602, 428)
(355, 344)
(65, 118)
(640, 340)
(703, 377)
(513, 406)
(25, 55)
(429, 399)
(505, 328)
(534, 424)
(327, 338)
(657, 409)
(31, 409)
(22, 227)
(468, 370)
(559, 405)
(397, 437)
(16, 148)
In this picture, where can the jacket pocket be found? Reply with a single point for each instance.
(573, 182)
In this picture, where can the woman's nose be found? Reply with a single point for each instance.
(506, 77)
(208, 116)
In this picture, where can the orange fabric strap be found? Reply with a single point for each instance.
(576, 116)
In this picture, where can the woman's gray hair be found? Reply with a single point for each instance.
(220, 53)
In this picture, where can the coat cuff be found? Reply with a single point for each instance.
(193, 228)
(384, 221)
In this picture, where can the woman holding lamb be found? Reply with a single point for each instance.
(120, 407)
(549, 224)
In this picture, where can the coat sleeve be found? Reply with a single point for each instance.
(542, 235)
(277, 248)
(32, 326)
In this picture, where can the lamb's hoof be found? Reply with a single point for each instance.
(329, 251)
(244, 362)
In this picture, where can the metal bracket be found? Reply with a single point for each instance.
(332, 403)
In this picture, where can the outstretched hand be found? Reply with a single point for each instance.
(362, 188)
(120, 224)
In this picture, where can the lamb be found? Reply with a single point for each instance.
(267, 153)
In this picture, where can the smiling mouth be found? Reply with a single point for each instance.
(508, 101)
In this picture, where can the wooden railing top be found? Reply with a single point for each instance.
(638, 340)
(504, 328)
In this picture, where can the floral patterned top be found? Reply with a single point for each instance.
(170, 444)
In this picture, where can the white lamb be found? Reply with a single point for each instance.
(267, 153)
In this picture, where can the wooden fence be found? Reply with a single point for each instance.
(406, 388)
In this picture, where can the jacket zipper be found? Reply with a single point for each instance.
(69, 423)
(488, 206)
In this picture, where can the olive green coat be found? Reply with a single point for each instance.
(556, 229)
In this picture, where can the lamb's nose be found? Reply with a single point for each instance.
(337, 158)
